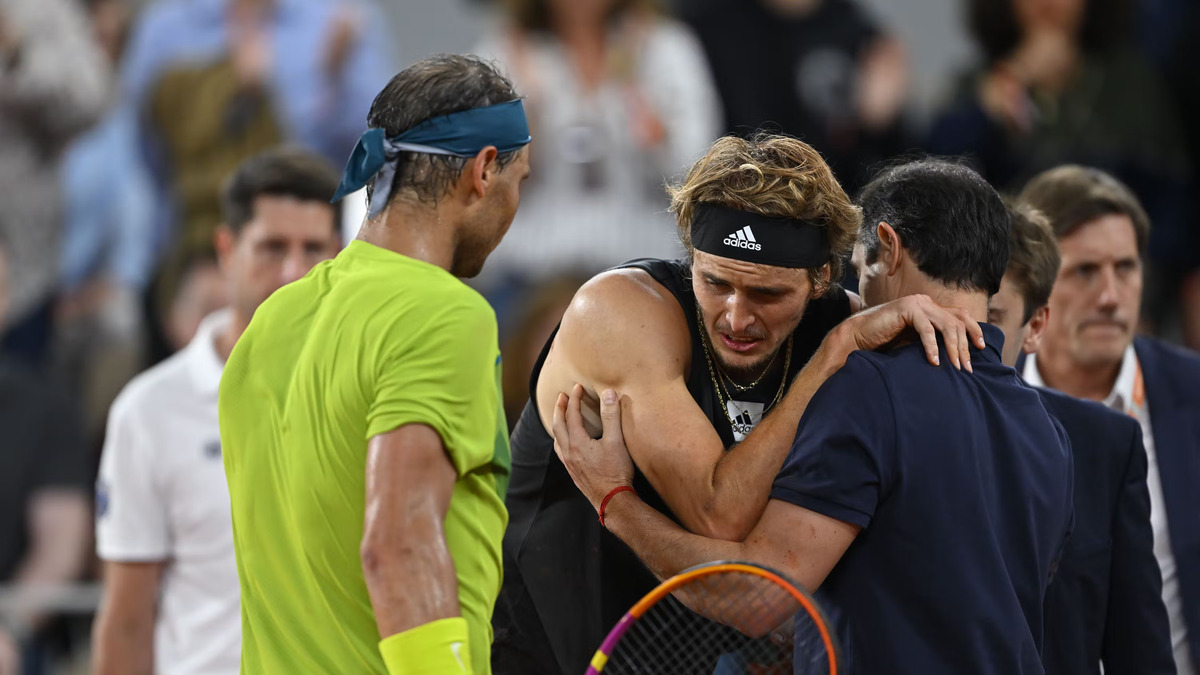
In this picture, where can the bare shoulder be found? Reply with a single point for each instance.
(622, 292)
(624, 312)
(622, 329)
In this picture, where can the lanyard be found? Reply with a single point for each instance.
(1138, 403)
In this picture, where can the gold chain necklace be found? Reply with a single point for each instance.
(725, 376)
(723, 394)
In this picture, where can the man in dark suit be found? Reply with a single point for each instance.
(1105, 602)
(1089, 351)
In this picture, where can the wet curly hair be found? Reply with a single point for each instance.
(777, 176)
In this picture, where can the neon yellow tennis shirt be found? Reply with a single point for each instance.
(365, 343)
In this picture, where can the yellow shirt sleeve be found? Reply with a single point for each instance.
(440, 372)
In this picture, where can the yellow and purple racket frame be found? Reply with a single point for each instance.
(600, 659)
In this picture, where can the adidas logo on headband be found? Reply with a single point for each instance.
(743, 238)
(779, 242)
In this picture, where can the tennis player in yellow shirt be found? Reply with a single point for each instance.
(361, 422)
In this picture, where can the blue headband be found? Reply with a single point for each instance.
(461, 134)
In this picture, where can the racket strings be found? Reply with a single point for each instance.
(753, 635)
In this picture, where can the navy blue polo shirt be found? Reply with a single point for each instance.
(962, 483)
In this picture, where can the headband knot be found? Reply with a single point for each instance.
(460, 134)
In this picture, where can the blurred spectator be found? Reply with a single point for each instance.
(1060, 83)
(215, 81)
(531, 331)
(171, 603)
(619, 98)
(44, 477)
(53, 85)
(820, 70)
(1063, 83)
(107, 252)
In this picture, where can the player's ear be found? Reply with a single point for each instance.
(1037, 328)
(890, 249)
(824, 273)
(483, 170)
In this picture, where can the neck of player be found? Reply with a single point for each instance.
(952, 297)
(420, 231)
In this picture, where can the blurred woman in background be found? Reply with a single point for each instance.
(1062, 83)
(619, 98)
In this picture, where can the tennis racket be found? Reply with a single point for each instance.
(722, 618)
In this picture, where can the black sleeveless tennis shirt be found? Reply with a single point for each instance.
(567, 580)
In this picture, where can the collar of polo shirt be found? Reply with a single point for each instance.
(204, 364)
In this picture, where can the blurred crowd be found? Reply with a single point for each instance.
(120, 121)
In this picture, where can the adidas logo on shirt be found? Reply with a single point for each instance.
(743, 238)
(744, 416)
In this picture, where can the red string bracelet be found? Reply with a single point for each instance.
(610, 495)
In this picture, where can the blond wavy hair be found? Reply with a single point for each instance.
(772, 175)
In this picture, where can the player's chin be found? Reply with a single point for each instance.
(748, 363)
(1101, 354)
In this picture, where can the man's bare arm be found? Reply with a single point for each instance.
(668, 549)
(624, 331)
(409, 572)
(123, 636)
(802, 544)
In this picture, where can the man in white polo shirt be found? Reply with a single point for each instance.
(163, 521)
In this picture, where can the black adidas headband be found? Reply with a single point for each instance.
(750, 237)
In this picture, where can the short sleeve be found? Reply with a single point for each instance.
(443, 375)
(842, 460)
(131, 520)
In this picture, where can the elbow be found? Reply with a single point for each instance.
(374, 557)
(380, 554)
(723, 524)
(396, 546)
